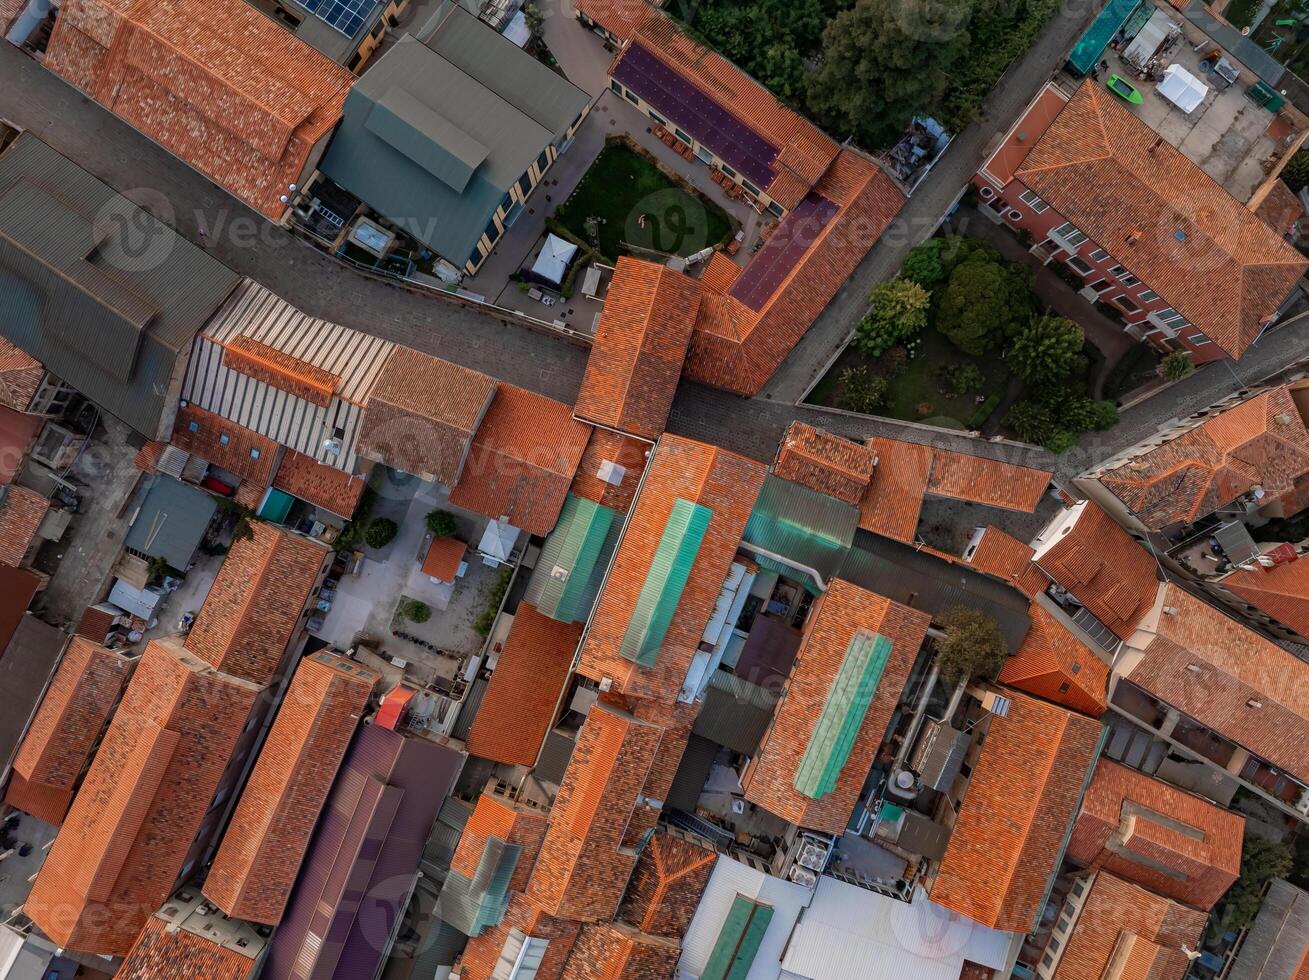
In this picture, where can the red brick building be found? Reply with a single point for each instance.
(123, 846)
(266, 840)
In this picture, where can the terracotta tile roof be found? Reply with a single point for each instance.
(1162, 217)
(1116, 578)
(1001, 555)
(148, 456)
(804, 151)
(319, 484)
(640, 344)
(1158, 836)
(616, 951)
(444, 556)
(280, 370)
(961, 476)
(1006, 845)
(1118, 915)
(21, 513)
(895, 495)
(74, 712)
(253, 608)
(842, 613)
(512, 823)
(221, 86)
(1054, 664)
(20, 376)
(266, 840)
(823, 462)
(1280, 208)
(524, 457)
(1042, 111)
(520, 702)
(422, 414)
(666, 885)
(724, 483)
(124, 842)
(583, 867)
(1247, 688)
(164, 954)
(1261, 442)
(227, 445)
(720, 273)
(1281, 592)
(18, 434)
(606, 446)
(737, 348)
(1031, 580)
(482, 952)
(47, 803)
(619, 17)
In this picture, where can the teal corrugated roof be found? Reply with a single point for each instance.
(738, 941)
(671, 567)
(569, 558)
(843, 714)
(802, 525)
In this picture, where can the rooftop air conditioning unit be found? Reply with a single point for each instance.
(611, 472)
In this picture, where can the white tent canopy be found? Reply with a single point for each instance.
(552, 263)
(498, 540)
(1182, 89)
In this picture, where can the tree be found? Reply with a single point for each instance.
(1060, 441)
(1296, 173)
(1030, 421)
(1176, 366)
(415, 611)
(1261, 861)
(441, 523)
(863, 391)
(897, 311)
(983, 301)
(768, 38)
(1045, 349)
(973, 645)
(380, 532)
(923, 264)
(883, 62)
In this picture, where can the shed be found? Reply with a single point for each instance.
(170, 522)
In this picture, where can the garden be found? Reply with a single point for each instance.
(624, 202)
(958, 340)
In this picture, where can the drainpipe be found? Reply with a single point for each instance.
(811, 572)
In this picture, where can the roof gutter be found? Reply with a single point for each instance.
(813, 573)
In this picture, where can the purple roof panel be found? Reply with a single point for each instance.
(702, 116)
(798, 230)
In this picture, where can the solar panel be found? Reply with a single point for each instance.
(798, 230)
(346, 16)
(673, 96)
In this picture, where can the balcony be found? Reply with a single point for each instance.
(1131, 700)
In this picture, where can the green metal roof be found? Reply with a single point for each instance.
(561, 585)
(802, 525)
(276, 505)
(843, 714)
(738, 941)
(663, 585)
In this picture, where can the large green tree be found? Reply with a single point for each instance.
(972, 647)
(1261, 860)
(897, 311)
(768, 38)
(984, 301)
(1045, 348)
(885, 61)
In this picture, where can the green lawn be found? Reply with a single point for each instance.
(620, 188)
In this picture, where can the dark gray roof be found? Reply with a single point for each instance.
(556, 752)
(692, 774)
(735, 713)
(102, 294)
(1279, 939)
(923, 581)
(26, 667)
(434, 134)
(171, 522)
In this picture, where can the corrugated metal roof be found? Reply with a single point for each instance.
(802, 525)
(662, 589)
(1278, 942)
(472, 905)
(738, 941)
(573, 560)
(736, 712)
(692, 772)
(441, 948)
(254, 312)
(28, 663)
(101, 293)
(472, 701)
(556, 752)
(171, 522)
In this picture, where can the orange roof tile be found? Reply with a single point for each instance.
(253, 608)
(1158, 836)
(1280, 208)
(961, 476)
(523, 459)
(148, 456)
(514, 823)
(227, 445)
(1000, 554)
(20, 376)
(840, 614)
(720, 273)
(1054, 664)
(1031, 580)
(895, 496)
(279, 369)
(1147, 930)
(1281, 592)
(1024, 790)
(1037, 118)
(1246, 688)
(640, 344)
(319, 484)
(1261, 442)
(483, 951)
(666, 885)
(616, 951)
(521, 700)
(164, 953)
(738, 349)
(823, 462)
(724, 483)
(607, 446)
(1116, 578)
(218, 84)
(21, 513)
(1163, 218)
(422, 414)
(444, 556)
(43, 801)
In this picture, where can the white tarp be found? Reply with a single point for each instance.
(1145, 44)
(553, 261)
(1182, 89)
(142, 603)
(517, 30)
(498, 540)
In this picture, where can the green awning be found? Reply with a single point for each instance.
(843, 714)
(738, 941)
(276, 506)
(569, 558)
(663, 585)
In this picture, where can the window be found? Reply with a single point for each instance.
(224, 439)
(525, 185)
(1077, 668)
(1069, 236)
(657, 118)
(1034, 202)
(729, 171)
(631, 97)
(254, 454)
(1078, 887)
(1101, 286)
(543, 161)
(193, 427)
(506, 202)
(1063, 925)
(1015, 216)
(685, 138)
(1126, 304)
(492, 233)
(1149, 296)
(615, 87)
(1080, 267)
(775, 208)
(1047, 959)
(1063, 688)
(1199, 340)
(1053, 946)
(1129, 280)
(1116, 270)
(1099, 255)
(749, 186)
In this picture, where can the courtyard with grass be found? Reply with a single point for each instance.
(625, 203)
